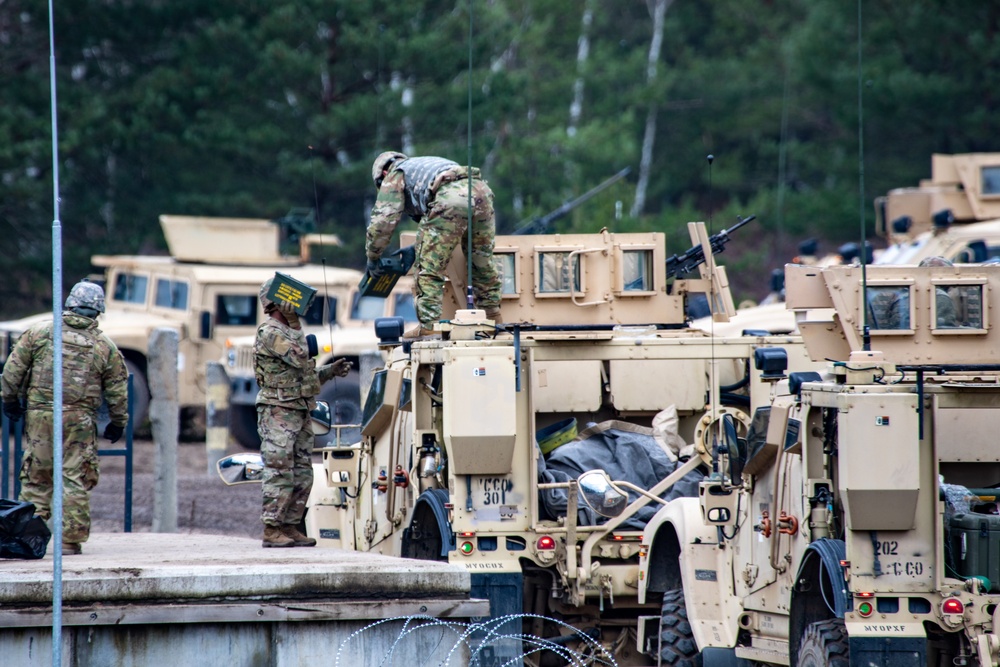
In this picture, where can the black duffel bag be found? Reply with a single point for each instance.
(22, 534)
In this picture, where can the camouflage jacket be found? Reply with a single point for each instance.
(408, 189)
(92, 364)
(285, 372)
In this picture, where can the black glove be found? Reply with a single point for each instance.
(374, 270)
(113, 431)
(13, 410)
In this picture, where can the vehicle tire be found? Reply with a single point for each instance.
(243, 426)
(344, 396)
(677, 645)
(824, 644)
(140, 402)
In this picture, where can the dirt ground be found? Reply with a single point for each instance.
(204, 503)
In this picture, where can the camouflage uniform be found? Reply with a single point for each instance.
(91, 364)
(435, 192)
(289, 381)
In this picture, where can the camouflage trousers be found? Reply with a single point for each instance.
(444, 228)
(80, 468)
(286, 447)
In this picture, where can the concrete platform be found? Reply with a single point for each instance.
(144, 597)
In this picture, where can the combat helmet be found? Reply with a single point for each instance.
(265, 302)
(383, 161)
(86, 298)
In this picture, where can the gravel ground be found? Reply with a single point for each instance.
(204, 503)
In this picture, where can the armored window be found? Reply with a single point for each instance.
(367, 307)
(958, 308)
(404, 307)
(890, 308)
(315, 313)
(558, 273)
(637, 270)
(171, 294)
(236, 310)
(506, 265)
(130, 288)
(991, 181)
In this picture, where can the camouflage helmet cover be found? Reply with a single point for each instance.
(265, 302)
(383, 161)
(86, 294)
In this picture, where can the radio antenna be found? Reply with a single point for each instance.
(469, 304)
(866, 339)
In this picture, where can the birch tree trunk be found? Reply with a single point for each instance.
(649, 138)
(582, 53)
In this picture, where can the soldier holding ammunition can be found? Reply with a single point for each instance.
(289, 381)
(435, 192)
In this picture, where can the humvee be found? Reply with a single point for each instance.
(206, 289)
(477, 444)
(856, 524)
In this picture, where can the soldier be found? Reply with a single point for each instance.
(91, 364)
(289, 381)
(944, 306)
(435, 192)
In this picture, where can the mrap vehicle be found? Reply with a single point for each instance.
(857, 524)
(475, 442)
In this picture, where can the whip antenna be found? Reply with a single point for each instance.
(866, 338)
(468, 231)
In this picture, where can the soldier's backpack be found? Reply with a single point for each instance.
(22, 534)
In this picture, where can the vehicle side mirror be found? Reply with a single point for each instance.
(312, 345)
(321, 419)
(600, 494)
(205, 325)
(243, 468)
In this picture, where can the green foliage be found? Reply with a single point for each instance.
(249, 108)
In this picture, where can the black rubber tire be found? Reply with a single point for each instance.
(243, 426)
(824, 644)
(344, 396)
(677, 645)
(140, 402)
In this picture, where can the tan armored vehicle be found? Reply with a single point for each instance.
(350, 337)
(476, 443)
(857, 522)
(207, 290)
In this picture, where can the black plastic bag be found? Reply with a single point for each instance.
(22, 534)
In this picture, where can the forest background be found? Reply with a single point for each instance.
(248, 108)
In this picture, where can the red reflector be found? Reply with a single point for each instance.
(617, 537)
(467, 534)
(952, 606)
(545, 543)
(864, 595)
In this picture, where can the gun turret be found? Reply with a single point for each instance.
(541, 225)
(679, 265)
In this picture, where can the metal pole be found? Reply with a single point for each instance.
(57, 388)
(216, 415)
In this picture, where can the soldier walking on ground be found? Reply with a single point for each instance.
(435, 192)
(92, 364)
(289, 381)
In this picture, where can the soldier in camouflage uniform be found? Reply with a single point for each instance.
(92, 364)
(435, 192)
(289, 381)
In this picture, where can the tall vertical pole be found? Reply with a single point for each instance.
(57, 379)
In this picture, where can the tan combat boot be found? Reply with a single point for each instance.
(297, 537)
(494, 314)
(274, 536)
(71, 549)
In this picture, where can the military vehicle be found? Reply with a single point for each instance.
(207, 290)
(476, 442)
(856, 524)
(352, 336)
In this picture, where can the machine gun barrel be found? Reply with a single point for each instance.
(541, 225)
(689, 260)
